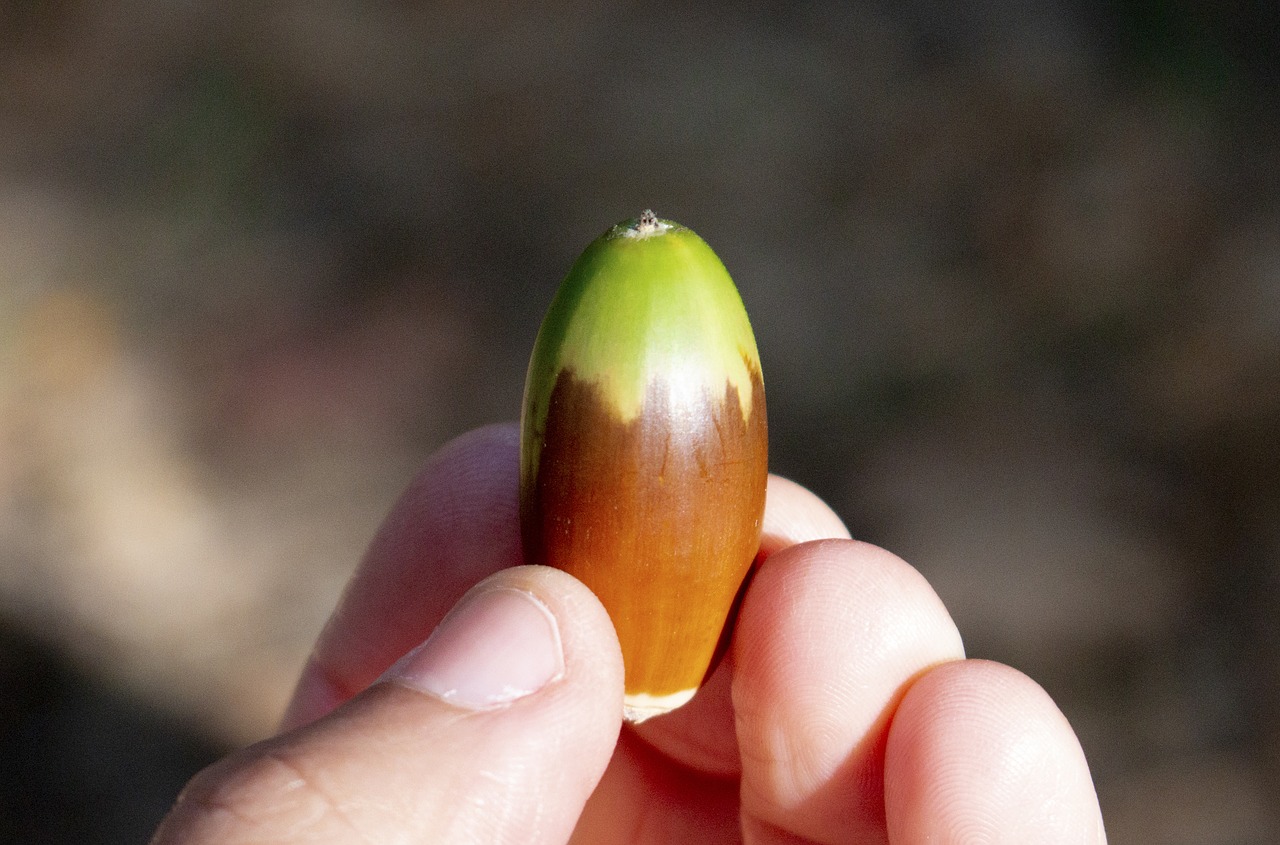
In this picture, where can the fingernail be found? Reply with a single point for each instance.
(492, 649)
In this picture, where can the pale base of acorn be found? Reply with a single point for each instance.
(640, 706)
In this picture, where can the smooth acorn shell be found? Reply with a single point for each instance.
(644, 449)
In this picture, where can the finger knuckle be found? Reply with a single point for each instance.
(263, 796)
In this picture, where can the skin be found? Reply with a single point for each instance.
(844, 710)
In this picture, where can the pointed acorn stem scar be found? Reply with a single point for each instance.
(644, 449)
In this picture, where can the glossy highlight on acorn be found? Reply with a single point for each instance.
(644, 449)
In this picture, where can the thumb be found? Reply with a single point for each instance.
(496, 729)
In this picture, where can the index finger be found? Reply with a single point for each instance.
(457, 523)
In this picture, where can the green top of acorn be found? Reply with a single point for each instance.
(646, 298)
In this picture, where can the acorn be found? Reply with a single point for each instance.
(644, 449)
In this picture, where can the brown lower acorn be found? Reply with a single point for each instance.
(644, 449)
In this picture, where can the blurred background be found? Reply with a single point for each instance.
(1014, 271)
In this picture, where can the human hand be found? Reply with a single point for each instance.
(843, 710)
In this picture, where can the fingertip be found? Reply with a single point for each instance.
(793, 515)
(589, 642)
(532, 629)
(496, 729)
(498, 645)
(978, 751)
(464, 494)
(455, 523)
(830, 635)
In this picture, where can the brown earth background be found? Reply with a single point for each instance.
(1014, 274)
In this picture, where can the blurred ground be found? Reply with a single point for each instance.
(1015, 277)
